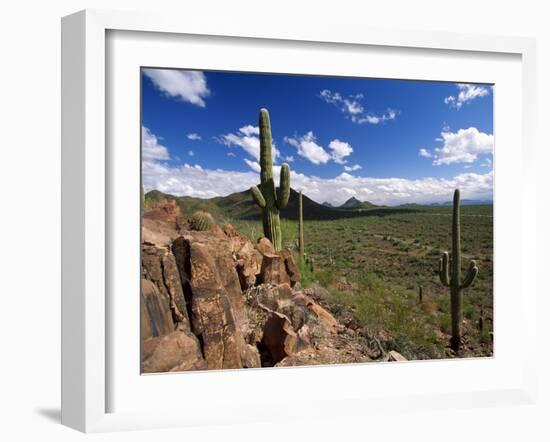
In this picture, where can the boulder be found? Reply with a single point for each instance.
(273, 270)
(177, 351)
(276, 267)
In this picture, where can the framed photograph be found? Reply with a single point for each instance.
(329, 214)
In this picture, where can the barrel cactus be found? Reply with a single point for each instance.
(269, 199)
(201, 220)
(451, 276)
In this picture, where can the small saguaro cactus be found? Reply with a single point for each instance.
(301, 227)
(420, 294)
(453, 278)
(269, 199)
(201, 220)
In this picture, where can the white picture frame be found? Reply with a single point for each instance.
(86, 198)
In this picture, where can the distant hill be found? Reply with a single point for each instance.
(239, 205)
(354, 204)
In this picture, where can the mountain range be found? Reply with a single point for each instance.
(239, 205)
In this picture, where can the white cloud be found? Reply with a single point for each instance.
(371, 118)
(150, 147)
(254, 165)
(352, 168)
(189, 86)
(466, 92)
(194, 136)
(307, 147)
(207, 183)
(191, 153)
(424, 153)
(250, 130)
(197, 181)
(463, 146)
(289, 158)
(247, 137)
(340, 150)
(352, 107)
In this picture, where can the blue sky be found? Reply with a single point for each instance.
(386, 141)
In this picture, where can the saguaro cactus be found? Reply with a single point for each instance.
(453, 278)
(301, 227)
(269, 199)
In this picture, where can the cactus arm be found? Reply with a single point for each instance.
(470, 275)
(257, 196)
(283, 191)
(444, 269)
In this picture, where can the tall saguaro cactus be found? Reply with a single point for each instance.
(301, 227)
(453, 278)
(269, 199)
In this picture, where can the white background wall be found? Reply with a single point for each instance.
(30, 215)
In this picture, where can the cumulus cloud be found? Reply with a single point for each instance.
(191, 153)
(289, 158)
(151, 149)
(307, 147)
(194, 136)
(247, 138)
(463, 146)
(352, 168)
(424, 153)
(466, 92)
(340, 150)
(352, 107)
(188, 86)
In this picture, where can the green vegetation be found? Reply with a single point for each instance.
(264, 196)
(373, 261)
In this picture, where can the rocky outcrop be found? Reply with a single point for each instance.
(158, 266)
(162, 224)
(156, 318)
(290, 329)
(166, 210)
(213, 300)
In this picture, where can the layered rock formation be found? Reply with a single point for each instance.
(213, 300)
